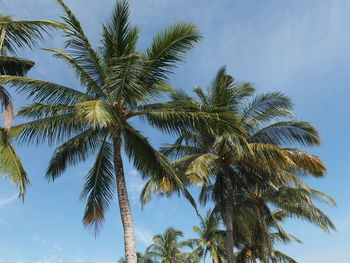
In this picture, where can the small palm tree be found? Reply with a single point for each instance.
(295, 202)
(167, 248)
(210, 238)
(120, 83)
(15, 35)
(251, 238)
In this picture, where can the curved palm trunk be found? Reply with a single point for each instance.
(268, 241)
(124, 205)
(229, 215)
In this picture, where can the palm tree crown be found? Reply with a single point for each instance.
(210, 238)
(118, 81)
(16, 35)
(168, 248)
(257, 152)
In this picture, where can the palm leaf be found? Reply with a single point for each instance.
(99, 188)
(10, 164)
(72, 152)
(44, 91)
(169, 46)
(80, 48)
(287, 133)
(15, 66)
(85, 78)
(16, 35)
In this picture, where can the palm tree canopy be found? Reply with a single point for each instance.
(119, 83)
(14, 36)
(261, 154)
(261, 140)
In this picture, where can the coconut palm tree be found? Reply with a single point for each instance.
(295, 202)
(119, 84)
(167, 248)
(210, 238)
(251, 239)
(16, 35)
(206, 158)
(258, 228)
(252, 217)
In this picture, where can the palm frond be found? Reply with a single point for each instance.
(283, 258)
(96, 113)
(99, 188)
(288, 133)
(15, 66)
(168, 48)
(119, 38)
(80, 48)
(51, 129)
(153, 165)
(16, 35)
(266, 107)
(44, 91)
(72, 152)
(86, 79)
(10, 164)
(304, 163)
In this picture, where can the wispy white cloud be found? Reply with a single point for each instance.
(8, 200)
(144, 236)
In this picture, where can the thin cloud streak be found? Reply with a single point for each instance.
(7, 201)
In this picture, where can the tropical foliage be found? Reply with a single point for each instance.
(258, 158)
(167, 248)
(247, 153)
(14, 36)
(118, 83)
(211, 238)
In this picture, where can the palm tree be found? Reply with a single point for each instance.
(251, 239)
(297, 202)
(15, 35)
(169, 249)
(118, 83)
(208, 158)
(211, 238)
(254, 219)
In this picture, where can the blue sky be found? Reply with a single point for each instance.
(298, 47)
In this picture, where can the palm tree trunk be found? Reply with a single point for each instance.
(124, 205)
(229, 214)
(268, 241)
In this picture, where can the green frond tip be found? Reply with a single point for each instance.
(10, 164)
(169, 46)
(23, 34)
